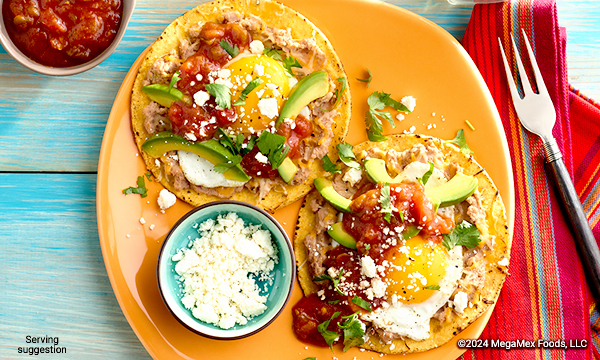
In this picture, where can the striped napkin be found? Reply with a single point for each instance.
(546, 296)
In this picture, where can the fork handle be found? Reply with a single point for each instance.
(584, 238)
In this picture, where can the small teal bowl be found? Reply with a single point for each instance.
(183, 233)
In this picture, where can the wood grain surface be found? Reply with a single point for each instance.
(53, 281)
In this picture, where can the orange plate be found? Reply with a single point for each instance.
(407, 55)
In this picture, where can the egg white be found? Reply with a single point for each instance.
(200, 171)
(412, 320)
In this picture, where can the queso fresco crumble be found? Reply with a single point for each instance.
(219, 269)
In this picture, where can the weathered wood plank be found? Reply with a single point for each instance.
(53, 278)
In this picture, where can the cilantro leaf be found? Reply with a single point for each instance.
(288, 63)
(464, 234)
(221, 93)
(432, 287)
(367, 80)
(346, 155)
(339, 91)
(310, 358)
(329, 336)
(427, 175)
(247, 90)
(222, 167)
(361, 303)
(149, 176)
(249, 145)
(335, 281)
(386, 202)
(226, 140)
(377, 102)
(232, 51)
(329, 166)
(461, 142)
(353, 331)
(174, 79)
(274, 53)
(140, 189)
(273, 146)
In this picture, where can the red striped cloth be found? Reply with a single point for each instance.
(546, 296)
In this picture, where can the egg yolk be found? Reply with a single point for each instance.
(416, 269)
(274, 85)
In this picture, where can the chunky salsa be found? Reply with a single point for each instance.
(62, 33)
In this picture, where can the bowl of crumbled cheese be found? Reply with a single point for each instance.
(226, 270)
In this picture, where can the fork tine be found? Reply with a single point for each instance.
(527, 89)
(514, 92)
(536, 70)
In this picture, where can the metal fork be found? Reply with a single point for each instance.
(537, 114)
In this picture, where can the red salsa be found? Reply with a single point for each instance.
(62, 33)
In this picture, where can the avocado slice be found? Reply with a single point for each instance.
(377, 172)
(163, 94)
(211, 150)
(311, 87)
(325, 188)
(456, 190)
(337, 233)
(287, 170)
(410, 231)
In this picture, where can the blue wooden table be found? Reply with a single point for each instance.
(53, 282)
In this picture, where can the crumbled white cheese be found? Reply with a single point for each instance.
(257, 47)
(215, 271)
(410, 102)
(368, 267)
(352, 176)
(199, 77)
(190, 136)
(503, 262)
(166, 199)
(400, 117)
(461, 300)
(268, 107)
(261, 158)
(201, 97)
(259, 69)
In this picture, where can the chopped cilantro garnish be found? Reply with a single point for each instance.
(310, 358)
(288, 63)
(335, 281)
(346, 155)
(247, 90)
(274, 53)
(174, 79)
(149, 176)
(333, 302)
(386, 202)
(353, 331)
(232, 51)
(140, 189)
(427, 175)
(329, 336)
(330, 166)
(362, 303)
(461, 142)
(432, 287)
(222, 167)
(274, 147)
(464, 234)
(339, 91)
(249, 146)
(378, 101)
(221, 93)
(367, 80)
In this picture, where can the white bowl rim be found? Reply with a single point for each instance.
(12, 50)
(195, 325)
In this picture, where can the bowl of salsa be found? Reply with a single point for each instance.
(63, 37)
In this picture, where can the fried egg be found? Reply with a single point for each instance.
(422, 277)
(200, 171)
(262, 104)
